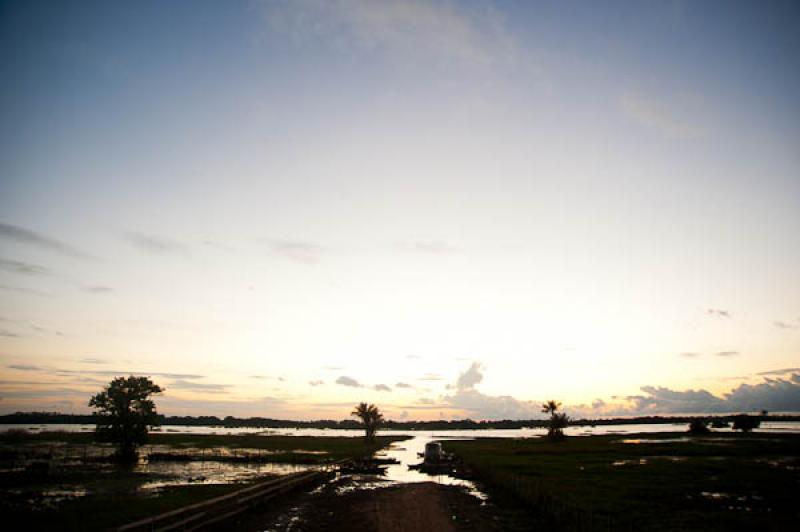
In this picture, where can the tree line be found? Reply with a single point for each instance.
(57, 418)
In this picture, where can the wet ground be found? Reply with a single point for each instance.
(401, 499)
(415, 507)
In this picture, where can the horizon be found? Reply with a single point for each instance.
(449, 209)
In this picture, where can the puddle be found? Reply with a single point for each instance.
(406, 454)
(209, 472)
(733, 502)
(645, 459)
(638, 441)
(41, 500)
(640, 461)
(217, 454)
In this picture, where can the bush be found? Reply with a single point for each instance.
(745, 423)
(699, 426)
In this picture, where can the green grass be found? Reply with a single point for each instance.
(576, 485)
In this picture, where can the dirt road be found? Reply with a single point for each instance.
(397, 508)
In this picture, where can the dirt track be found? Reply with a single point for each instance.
(404, 507)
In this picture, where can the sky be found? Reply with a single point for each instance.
(448, 208)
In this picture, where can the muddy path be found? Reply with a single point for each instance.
(346, 506)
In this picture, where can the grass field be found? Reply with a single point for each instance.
(95, 496)
(663, 482)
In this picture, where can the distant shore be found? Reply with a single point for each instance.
(55, 418)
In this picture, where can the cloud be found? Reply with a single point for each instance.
(784, 325)
(690, 355)
(303, 252)
(156, 245)
(201, 387)
(470, 378)
(718, 312)
(348, 381)
(112, 373)
(44, 330)
(658, 114)
(8, 334)
(26, 236)
(382, 388)
(21, 290)
(413, 357)
(777, 395)
(106, 373)
(24, 367)
(93, 361)
(254, 406)
(402, 385)
(727, 354)
(98, 289)
(333, 368)
(431, 377)
(664, 400)
(316, 383)
(412, 30)
(783, 371)
(483, 406)
(24, 268)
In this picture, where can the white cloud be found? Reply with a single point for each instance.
(470, 378)
(481, 406)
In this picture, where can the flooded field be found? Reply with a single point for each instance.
(62, 473)
(44, 475)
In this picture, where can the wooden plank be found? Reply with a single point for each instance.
(226, 505)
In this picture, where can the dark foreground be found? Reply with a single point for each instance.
(659, 482)
(400, 508)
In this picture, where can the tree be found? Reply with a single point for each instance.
(371, 417)
(699, 426)
(125, 412)
(745, 423)
(558, 421)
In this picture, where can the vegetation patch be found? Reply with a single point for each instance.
(597, 483)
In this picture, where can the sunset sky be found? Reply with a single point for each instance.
(451, 209)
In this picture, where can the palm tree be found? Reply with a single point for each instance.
(551, 406)
(558, 421)
(371, 417)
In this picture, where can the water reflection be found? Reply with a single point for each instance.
(209, 472)
(407, 453)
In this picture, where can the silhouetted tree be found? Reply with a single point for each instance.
(745, 423)
(125, 412)
(558, 421)
(371, 417)
(699, 426)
